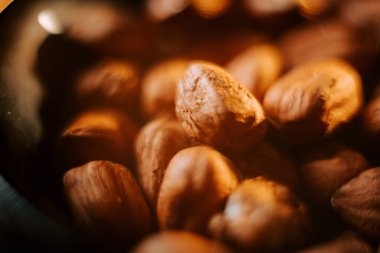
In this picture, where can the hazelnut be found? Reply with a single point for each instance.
(261, 215)
(156, 144)
(325, 168)
(371, 119)
(313, 100)
(159, 87)
(178, 241)
(266, 160)
(107, 201)
(347, 242)
(326, 39)
(210, 9)
(196, 183)
(111, 82)
(217, 110)
(358, 202)
(265, 8)
(97, 134)
(257, 68)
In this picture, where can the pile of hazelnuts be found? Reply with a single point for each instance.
(226, 126)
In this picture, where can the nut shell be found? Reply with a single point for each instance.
(217, 110)
(196, 183)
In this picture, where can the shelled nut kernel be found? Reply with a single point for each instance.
(347, 242)
(156, 144)
(261, 215)
(179, 241)
(313, 99)
(196, 184)
(326, 168)
(107, 201)
(159, 87)
(266, 160)
(217, 110)
(358, 202)
(112, 82)
(257, 68)
(371, 119)
(97, 134)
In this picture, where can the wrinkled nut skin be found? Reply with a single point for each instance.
(111, 82)
(178, 242)
(327, 39)
(347, 242)
(261, 215)
(326, 168)
(97, 134)
(196, 184)
(106, 199)
(159, 87)
(313, 99)
(266, 160)
(217, 110)
(257, 68)
(358, 202)
(371, 119)
(157, 142)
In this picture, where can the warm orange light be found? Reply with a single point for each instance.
(209, 9)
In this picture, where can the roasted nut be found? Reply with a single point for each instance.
(210, 9)
(156, 144)
(178, 242)
(345, 243)
(313, 99)
(111, 82)
(358, 202)
(261, 215)
(322, 40)
(257, 68)
(97, 134)
(266, 8)
(159, 87)
(107, 201)
(326, 168)
(217, 110)
(371, 119)
(265, 160)
(196, 183)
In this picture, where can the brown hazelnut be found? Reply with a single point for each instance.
(97, 134)
(196, 183)
(107, 201)
(111, 82)
(261, 215)
(257, 68)
(159, 87)
(371, 119)
(217, 110)
(358, 202)
(326, 168)
(178, 242)
(156, 144)
(327, 39)
(210, 9)
(313, 100)
(267, 161)
(345, 243)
